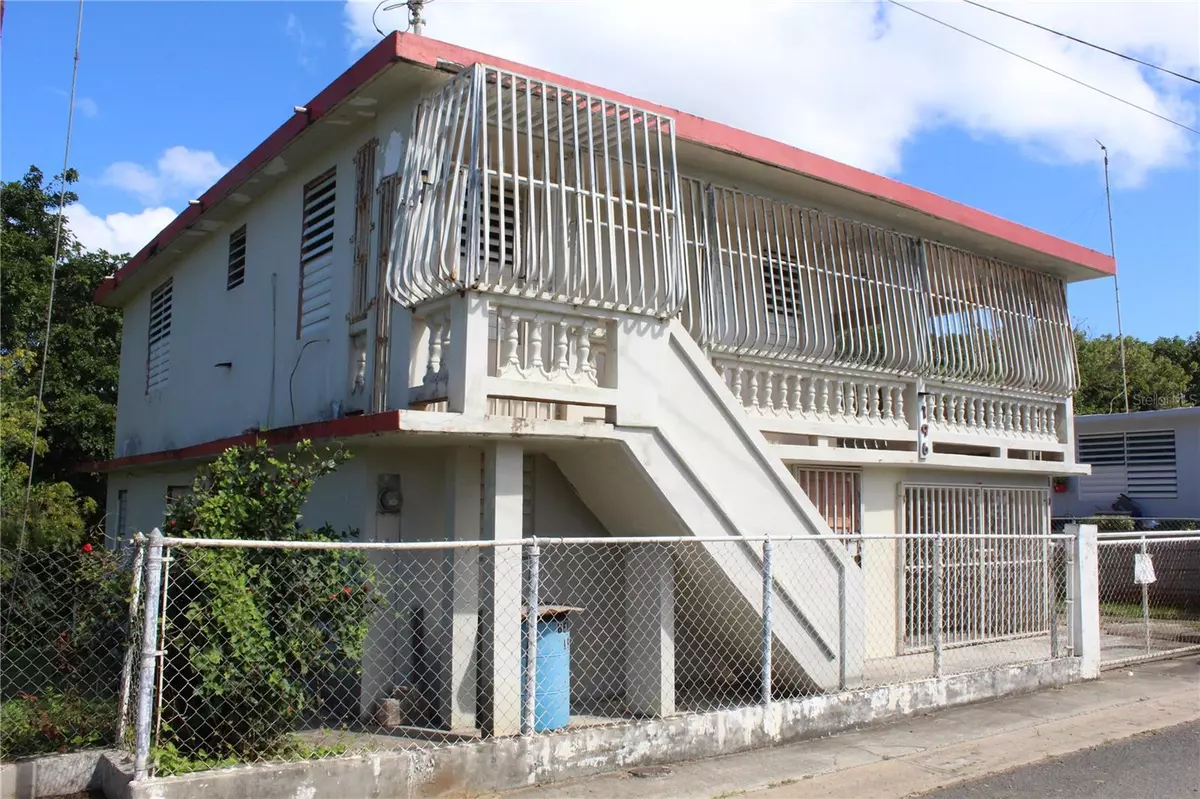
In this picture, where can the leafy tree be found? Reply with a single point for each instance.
(1155, 379)
(85, 338)
(1186, 354)
(57, 516)
(259, 635)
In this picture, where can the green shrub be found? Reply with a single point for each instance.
(62, 645)
(256, 633)
(53, 722)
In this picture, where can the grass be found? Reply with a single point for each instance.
(1133, 610)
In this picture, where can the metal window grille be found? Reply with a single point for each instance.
(837, 495)
(389, 192)
(236, 274)
(316, 254)
(364, 181)
(979, 588)
(158, 352)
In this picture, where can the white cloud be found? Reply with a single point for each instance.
(857, 81)
(117, 233)
(294, 30)
(87, 107)
(179, 173)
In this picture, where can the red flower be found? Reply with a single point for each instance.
(346, 590)
(333, 596)
(87, 547)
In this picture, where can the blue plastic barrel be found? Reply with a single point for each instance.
(552, 689)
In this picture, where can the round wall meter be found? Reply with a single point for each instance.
(390, 501)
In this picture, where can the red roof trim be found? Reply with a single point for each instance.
(346, 427)
(429, 52)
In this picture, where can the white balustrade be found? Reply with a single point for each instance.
(436, 345)
(799, 393)
(992, 416)
(534, 345)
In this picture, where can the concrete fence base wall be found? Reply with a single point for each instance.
(507, 763)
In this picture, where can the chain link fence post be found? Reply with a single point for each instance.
(146, 680)
(1052, 598)
(937, 604)
(139, 559)
(529, 701)
(1145, 597)
(767, 585)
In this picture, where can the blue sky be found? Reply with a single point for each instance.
(171, 93)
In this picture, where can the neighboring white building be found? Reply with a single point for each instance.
(589, 315)
(1152, 457)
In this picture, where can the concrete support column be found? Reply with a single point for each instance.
(1083, 590)
(649, 630)
(499, 707)
(468, 356)
(461, 578)
(881, 568)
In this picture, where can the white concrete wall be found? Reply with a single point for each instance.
(254, 325)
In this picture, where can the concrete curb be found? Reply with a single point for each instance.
(508, 763)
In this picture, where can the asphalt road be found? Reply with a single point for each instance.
(1160, 765)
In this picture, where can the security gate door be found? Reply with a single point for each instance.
(991, 589)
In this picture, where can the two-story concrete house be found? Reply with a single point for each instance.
(532, 306)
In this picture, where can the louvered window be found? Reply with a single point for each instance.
(1150, 458)
(364, 182)
(497, 245)
(237, 259)
(316, 254)
(781, 283)
(1139, 464)
(158, 351)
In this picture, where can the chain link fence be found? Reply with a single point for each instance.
(65, 625)
(268, 651)
(1149, 594)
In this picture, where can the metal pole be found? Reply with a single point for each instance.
(146, 680)
(1072, 591)
(139, 564)
(937, 605)
(1145, 601)
(528, 710)
(1052, 600)
(842, 627)
(1112, 250)
(162, 639)
(767, 585)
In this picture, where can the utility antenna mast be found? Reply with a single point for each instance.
(1112, 250)
(416, 22)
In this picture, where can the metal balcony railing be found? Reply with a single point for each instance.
(777, 281)
(518, 186)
